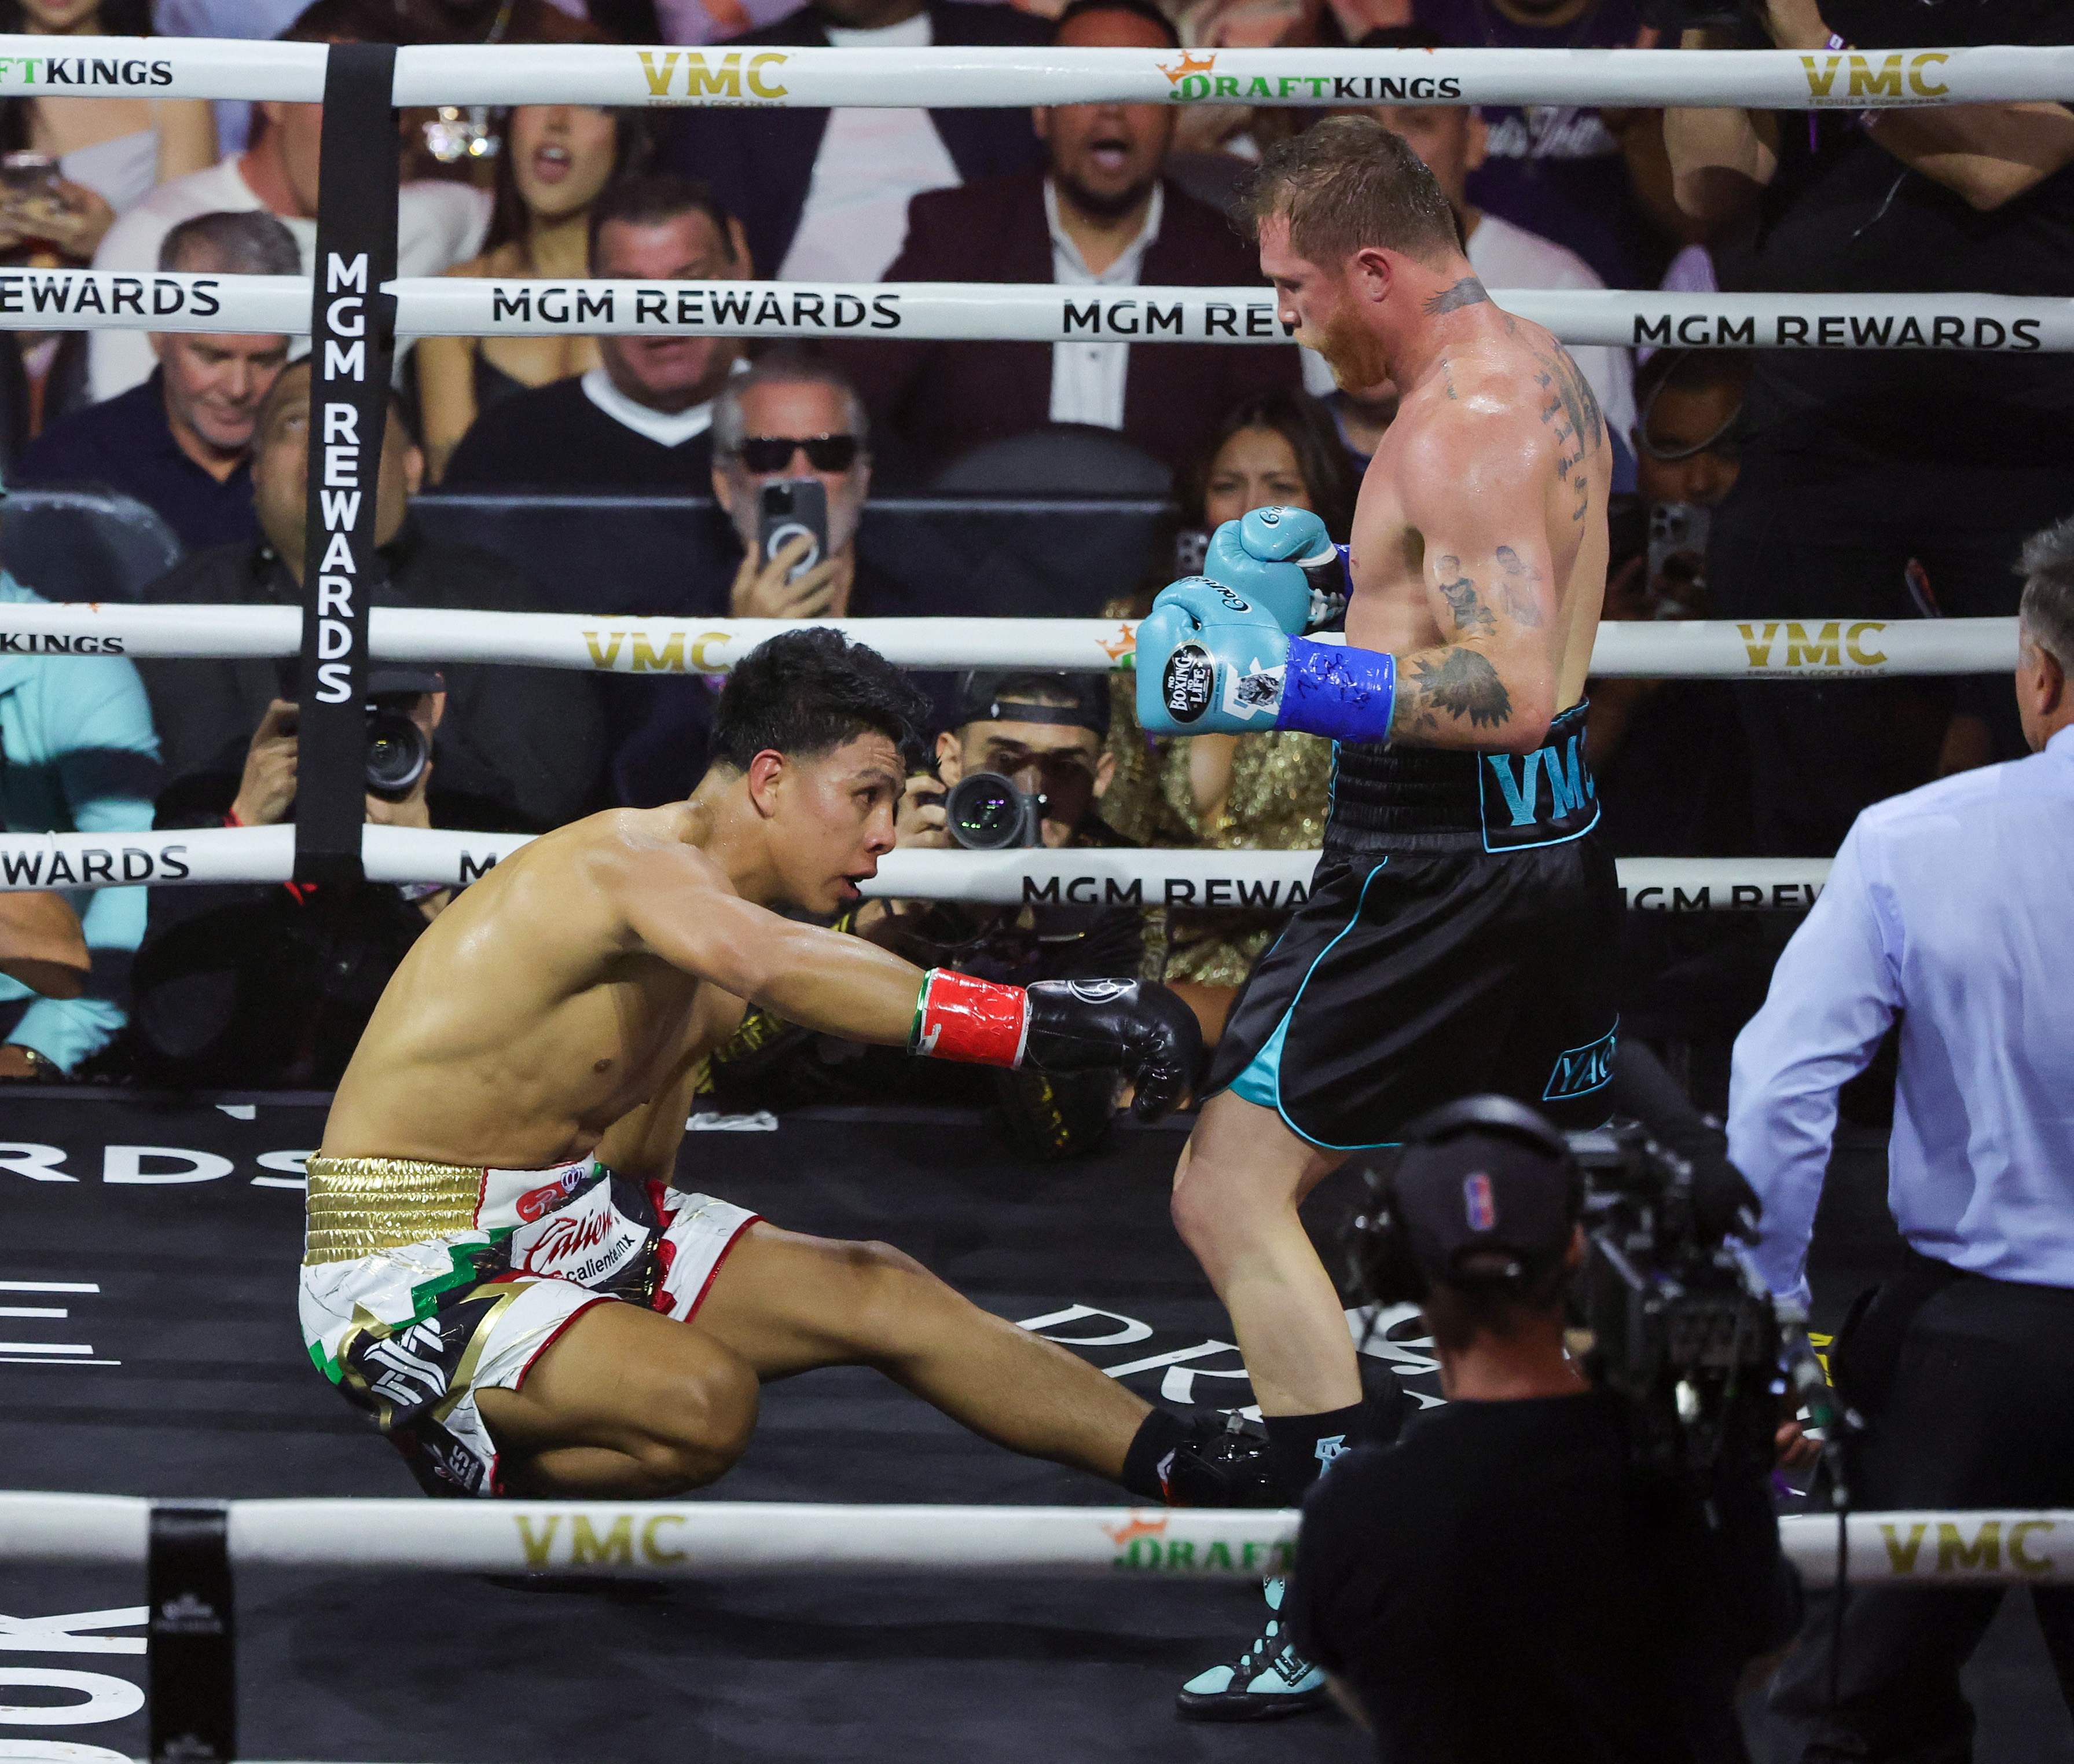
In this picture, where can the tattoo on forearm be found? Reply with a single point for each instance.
(1458, 683)
(1460, 592)
(1517, 589)
(1466, 292)
(1570, 408)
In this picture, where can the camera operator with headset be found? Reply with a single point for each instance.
(254, 985)
(1518, 1575)
(1023, 765)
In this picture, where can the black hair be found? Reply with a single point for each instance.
(1330, 478)
(509, 217)
(1403, 36)
(649, 197)
(1458, 1312)
(806, 691)
(1328, 474)
(1137, 9)
(354, 21)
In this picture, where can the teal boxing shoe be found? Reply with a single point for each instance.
(1268, 1680)
(1209, 662)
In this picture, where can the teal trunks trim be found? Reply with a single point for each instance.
(1261, 1082)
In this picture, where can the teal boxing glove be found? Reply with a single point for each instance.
(1209, 662)
(1282, 559)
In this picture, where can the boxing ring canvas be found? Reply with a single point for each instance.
(148, 1346)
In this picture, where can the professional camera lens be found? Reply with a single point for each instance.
(397, 752)
(985, 812)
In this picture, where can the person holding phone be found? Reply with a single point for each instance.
(791, 469)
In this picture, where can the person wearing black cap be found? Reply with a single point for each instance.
(1504, 1580)
(1046, 734)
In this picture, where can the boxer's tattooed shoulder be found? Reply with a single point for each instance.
(1468, 291)
(1460, 592)
(1519, 588)
(1457, 682)
(1570, 410)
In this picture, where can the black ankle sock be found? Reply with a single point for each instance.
(1300, 1447)
(1158, 1435)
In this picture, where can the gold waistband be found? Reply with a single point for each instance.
(359, 1205)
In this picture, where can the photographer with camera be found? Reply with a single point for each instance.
(1518, 1575)
(1024, 767)
(259, 987)
(522, 749)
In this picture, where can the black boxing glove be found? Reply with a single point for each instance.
(1080, 1025)
(1065, 1026)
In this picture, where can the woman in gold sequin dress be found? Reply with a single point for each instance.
(1262, 792)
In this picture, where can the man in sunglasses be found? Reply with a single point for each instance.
(793, 422)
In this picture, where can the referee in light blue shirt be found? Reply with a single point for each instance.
(1952, 909)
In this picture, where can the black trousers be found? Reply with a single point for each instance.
(1784, 549)
(1969, 1386)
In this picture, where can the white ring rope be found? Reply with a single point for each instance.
(816, 77)
(1692, 649)
(708, 1539)
(979, 312)
(1135, 877)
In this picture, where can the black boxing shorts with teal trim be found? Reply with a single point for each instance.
(1458, 938)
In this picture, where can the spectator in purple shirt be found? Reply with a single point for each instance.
(1595, 180)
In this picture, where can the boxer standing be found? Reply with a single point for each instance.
(1458, 933)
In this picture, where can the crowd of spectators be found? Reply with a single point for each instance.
(1757, 484)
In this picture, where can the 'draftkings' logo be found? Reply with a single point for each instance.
(1195, 78)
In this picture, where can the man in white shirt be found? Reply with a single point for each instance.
(438, 224)
(1947, 911)
(1450, 139)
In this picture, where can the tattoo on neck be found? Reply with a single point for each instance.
(1456, 683)
(1460, 592)
(1466, 292)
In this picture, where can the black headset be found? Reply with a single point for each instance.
(1381, 1268)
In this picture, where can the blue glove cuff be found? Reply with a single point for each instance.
(1335, 689)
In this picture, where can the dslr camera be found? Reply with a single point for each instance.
(398, 751)
(987, 812)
